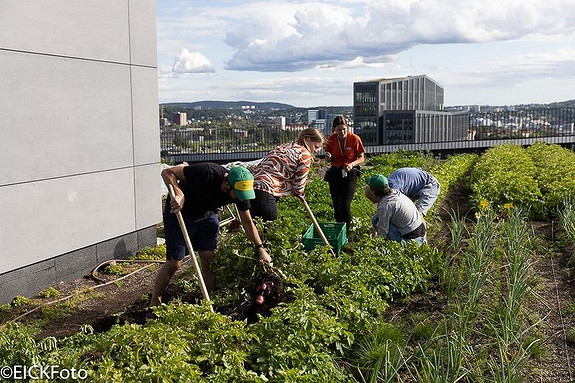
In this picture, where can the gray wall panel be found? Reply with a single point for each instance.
(44, 219)
(143, 32)
(92, 29)
(80, 137)
(148, 195)
(63, 116)
(146, 121)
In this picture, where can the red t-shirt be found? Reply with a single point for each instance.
(346, 151)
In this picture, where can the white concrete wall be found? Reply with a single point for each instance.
(79, 144)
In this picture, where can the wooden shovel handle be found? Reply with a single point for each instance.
(191, 250)
(316, 224)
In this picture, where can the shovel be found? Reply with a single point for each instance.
(316, 225)
(191, 250)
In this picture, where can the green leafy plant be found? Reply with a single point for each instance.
(555, 176)
(115, 269)
(505, 174)
(20, 300)
(155, 252)
(50, 292)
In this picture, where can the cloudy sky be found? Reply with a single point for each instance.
(309, 53)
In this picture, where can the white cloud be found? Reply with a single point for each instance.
(511, 71)
(469, 46)
(187, 62)
(308, 35)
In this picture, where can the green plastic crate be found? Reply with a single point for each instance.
(335, 232)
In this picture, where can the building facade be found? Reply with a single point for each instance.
(422, 126)
(181, 119)
(378, 103)
(75, 191)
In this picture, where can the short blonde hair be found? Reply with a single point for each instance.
(311, 133)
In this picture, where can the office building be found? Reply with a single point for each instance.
(181, 119)
(316, 118)
(377, 104)
(280, 122)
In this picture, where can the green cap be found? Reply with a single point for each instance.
(377, 182)
(243, 182)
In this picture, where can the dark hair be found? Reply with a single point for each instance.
(337, 121)
(382, 193)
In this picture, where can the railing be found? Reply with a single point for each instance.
(528, 123)
(223, 140)
(423, 132)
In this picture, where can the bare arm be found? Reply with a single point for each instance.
(358, 160)
(171, 176)
(254, 236)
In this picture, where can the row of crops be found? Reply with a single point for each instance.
(333, 327)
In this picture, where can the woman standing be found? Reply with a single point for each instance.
(345, 151)
(283, 172)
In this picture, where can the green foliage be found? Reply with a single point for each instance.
(567, 218)
(454, 170)
(154, 252)
(403, 158)
(57, 311)
(422, 331)
(115, 269)
(539, 179)
(301, 339)
(20, 300)
(555, 175)
(50, 292)
(334, 302)
(380, 353)
(570, 337)
(17, 346)
(188, 343)
(505, 175)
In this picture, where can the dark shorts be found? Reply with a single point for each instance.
(203, 234)
(264, 206)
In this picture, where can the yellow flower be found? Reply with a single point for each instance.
(483, 205)
(508, 205)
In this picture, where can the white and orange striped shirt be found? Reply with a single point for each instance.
(284, 171)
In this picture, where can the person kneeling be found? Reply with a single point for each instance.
(396, 217)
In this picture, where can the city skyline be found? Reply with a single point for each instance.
(309, 53)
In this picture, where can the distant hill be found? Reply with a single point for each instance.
(563, 104)
(228, 105)
(331, 109)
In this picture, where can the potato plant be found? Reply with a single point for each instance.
(538, 179)
(505, 175)
(555, 175)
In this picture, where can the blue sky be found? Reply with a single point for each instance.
(309, 53)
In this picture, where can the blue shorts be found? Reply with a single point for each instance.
(203, 234)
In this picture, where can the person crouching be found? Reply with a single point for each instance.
(396, 217)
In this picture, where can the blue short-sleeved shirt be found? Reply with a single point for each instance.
(409, 181)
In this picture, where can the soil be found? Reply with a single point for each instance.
(554, 305)
(100, 307)
(127, 300)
